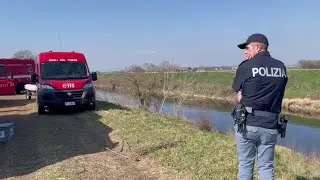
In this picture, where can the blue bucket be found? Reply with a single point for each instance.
(7, 130)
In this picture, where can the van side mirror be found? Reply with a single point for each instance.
(34, 77)
(94, 76)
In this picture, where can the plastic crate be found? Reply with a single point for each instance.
(7, 131)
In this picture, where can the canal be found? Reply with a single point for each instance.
(303, 134)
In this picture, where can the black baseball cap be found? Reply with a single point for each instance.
(255, 38)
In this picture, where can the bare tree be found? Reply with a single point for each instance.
(166, 66)
(178, 87)
(24, 54)
(182, 91)
(168, 86)
(135, 68)
(149, 66)
(144, 87)
(153, 89)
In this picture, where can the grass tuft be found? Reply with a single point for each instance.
(204, 123)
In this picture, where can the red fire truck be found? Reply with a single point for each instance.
(63, 80)
(14, 74)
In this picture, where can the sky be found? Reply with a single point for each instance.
(117, 34)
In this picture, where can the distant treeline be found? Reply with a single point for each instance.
(309, 64)
(167, 66)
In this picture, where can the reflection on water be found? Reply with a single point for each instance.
(303, 135)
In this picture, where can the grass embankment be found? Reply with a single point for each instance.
(180, 146)
(302, 94)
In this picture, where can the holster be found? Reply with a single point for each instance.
(239, 115)
(282, 126)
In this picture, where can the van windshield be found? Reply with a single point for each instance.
(64, 70)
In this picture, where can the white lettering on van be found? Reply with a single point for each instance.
(9, 84)
(73, 60)
(269, 72)
(63, 60)
(68, 85)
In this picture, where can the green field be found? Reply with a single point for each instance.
(301, 84)
(182, 147)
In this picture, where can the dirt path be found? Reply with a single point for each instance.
(65, 146)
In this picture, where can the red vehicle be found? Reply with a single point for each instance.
(64, 80)
(7, 87)
(14, 74)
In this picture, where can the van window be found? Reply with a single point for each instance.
(3, 71)
(64, 70)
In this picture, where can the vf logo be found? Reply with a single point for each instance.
(68, 85)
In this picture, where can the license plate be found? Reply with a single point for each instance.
(70, 103)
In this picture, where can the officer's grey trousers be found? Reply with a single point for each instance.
(256, 141)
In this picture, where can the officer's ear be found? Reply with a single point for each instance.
(262, 47)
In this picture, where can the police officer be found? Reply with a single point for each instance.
(260, 82)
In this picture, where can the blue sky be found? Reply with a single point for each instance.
(115, 34)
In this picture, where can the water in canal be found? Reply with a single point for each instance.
(303, 134)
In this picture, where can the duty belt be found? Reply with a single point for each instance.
(240, 113)
(282, 123)
(254, 112)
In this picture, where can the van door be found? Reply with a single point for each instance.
(6, 82)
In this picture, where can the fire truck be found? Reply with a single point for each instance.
(64, 80)
(14, 74)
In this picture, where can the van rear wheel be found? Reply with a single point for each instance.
(19, 88)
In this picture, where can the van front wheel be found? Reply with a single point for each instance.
(41, 110)
(92, 107)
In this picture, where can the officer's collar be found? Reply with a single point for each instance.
(263, 53)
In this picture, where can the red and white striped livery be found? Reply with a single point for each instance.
(14, 74)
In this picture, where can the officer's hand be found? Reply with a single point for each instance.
(239, 96)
